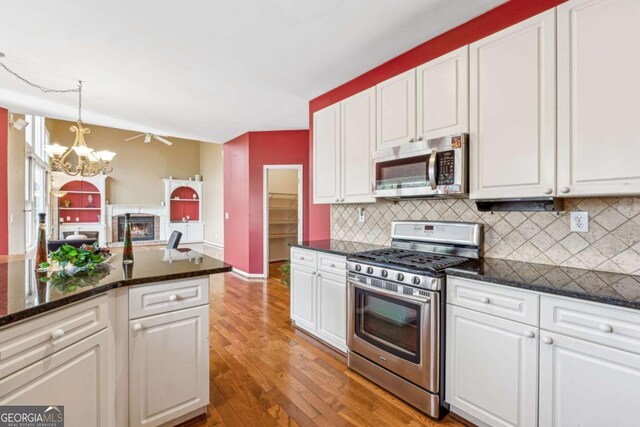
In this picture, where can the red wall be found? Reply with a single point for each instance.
(4, 188)
(495, 20)
(244, 158)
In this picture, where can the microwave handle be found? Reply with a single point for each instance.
(433, 179)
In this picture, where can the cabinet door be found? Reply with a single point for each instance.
(585, 384)
(168, 365)
(358, 138)
(76, 378)
(332, 309)
(182, 228)
(492, 368)
(598, 87)
(326, 155)
(396, 110)
(195, 232)
(303, 297)
(443, 95)
(512, 111)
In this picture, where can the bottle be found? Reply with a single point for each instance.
(127, 254)
(41, 252)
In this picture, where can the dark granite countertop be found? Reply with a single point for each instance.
(23, 294)
(599, 286)
(337, 247)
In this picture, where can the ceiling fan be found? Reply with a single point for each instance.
(148, 137)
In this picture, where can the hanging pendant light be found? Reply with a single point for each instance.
(89, 162)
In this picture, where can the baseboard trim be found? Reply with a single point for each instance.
(206, 242)
(248, 275)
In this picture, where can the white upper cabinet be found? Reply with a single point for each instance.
(358, 138)
(598, 88)
(443, 95)
(326, 155)
(396, 110)
(512, 111)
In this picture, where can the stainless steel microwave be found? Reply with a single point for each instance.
(435, 167)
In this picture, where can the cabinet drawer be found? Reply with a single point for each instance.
(168, 296)
(332, 264)
(508, 303)
(304, 257)
(611, 326)
(28, 342)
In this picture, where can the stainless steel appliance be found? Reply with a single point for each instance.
(396, 308)
(435, 167)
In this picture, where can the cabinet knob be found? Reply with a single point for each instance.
(57, 333)
(564, 190)
(314, 273)
(337, 200)
(604, 327)
(548, 191)
(333, 265)
(319, 275)
(173, 297)
(485, 300)
(529, 334)
(137, 327)
(420, 138)
(412, 140)
(547, 340)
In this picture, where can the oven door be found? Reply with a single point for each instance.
(396, 331)
(407, 176)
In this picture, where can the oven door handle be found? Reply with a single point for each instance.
(433, 179)
(375, 289)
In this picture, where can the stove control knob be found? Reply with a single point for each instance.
(369, 270)
(384, 273)
(415, 280)
(358, 267)
(400, 277)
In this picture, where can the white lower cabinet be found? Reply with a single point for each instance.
(168, 365)
(586, 384)
(75, 377)
(192, 232)
(319, 295)
(492, 368)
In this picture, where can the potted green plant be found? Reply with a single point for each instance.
(285, 270)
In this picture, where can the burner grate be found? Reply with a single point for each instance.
(411, 259)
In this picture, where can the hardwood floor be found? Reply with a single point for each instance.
(264, 372)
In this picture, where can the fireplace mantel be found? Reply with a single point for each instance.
(117, 210)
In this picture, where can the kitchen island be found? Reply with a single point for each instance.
(128, 345)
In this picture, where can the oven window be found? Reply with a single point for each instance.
(391, 324)
(402, 173)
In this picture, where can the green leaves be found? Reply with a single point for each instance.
(78, 257)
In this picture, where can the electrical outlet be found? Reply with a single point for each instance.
(226, 215)
(580, 222)
(360, 214)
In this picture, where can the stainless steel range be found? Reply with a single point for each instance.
(396, 308)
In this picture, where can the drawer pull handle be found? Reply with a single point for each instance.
(173, 297)
(529, 334)
(301, 258)
(485, 300)
(605, 327)
(547, 340)
(314, 273)
(57, 333)
(137, 327)
(333, 265)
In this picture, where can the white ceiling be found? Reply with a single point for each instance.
(206, 69)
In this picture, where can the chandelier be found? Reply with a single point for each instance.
(89, 162)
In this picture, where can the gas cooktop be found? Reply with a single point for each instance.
(412, 260)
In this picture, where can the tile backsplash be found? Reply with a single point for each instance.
(611, 244)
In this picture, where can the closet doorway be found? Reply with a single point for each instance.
(282, 214)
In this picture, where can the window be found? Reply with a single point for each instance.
(36, 178)
(28, 131)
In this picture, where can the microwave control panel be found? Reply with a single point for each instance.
(446, 167)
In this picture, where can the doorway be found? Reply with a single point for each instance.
(282, 198)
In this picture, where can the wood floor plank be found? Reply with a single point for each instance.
(264, 372)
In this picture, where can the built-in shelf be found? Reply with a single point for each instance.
(185, 200)
(282, 235)
(81, 192)
(283, 208)
(283, 221)
(80, 209)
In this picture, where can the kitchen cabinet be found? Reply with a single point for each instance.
(358, 139)
(344, 139)
(586, 384)
(75, 377)
(442, 88)
(326, 155)
(332, 308)
(512, 111)
(598, 140)
(396, 110)
(192, 232)
(168, 365)
(492, 368)
(319, 295)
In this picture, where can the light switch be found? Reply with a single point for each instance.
(226, 215)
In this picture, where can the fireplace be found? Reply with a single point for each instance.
(143, 227)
